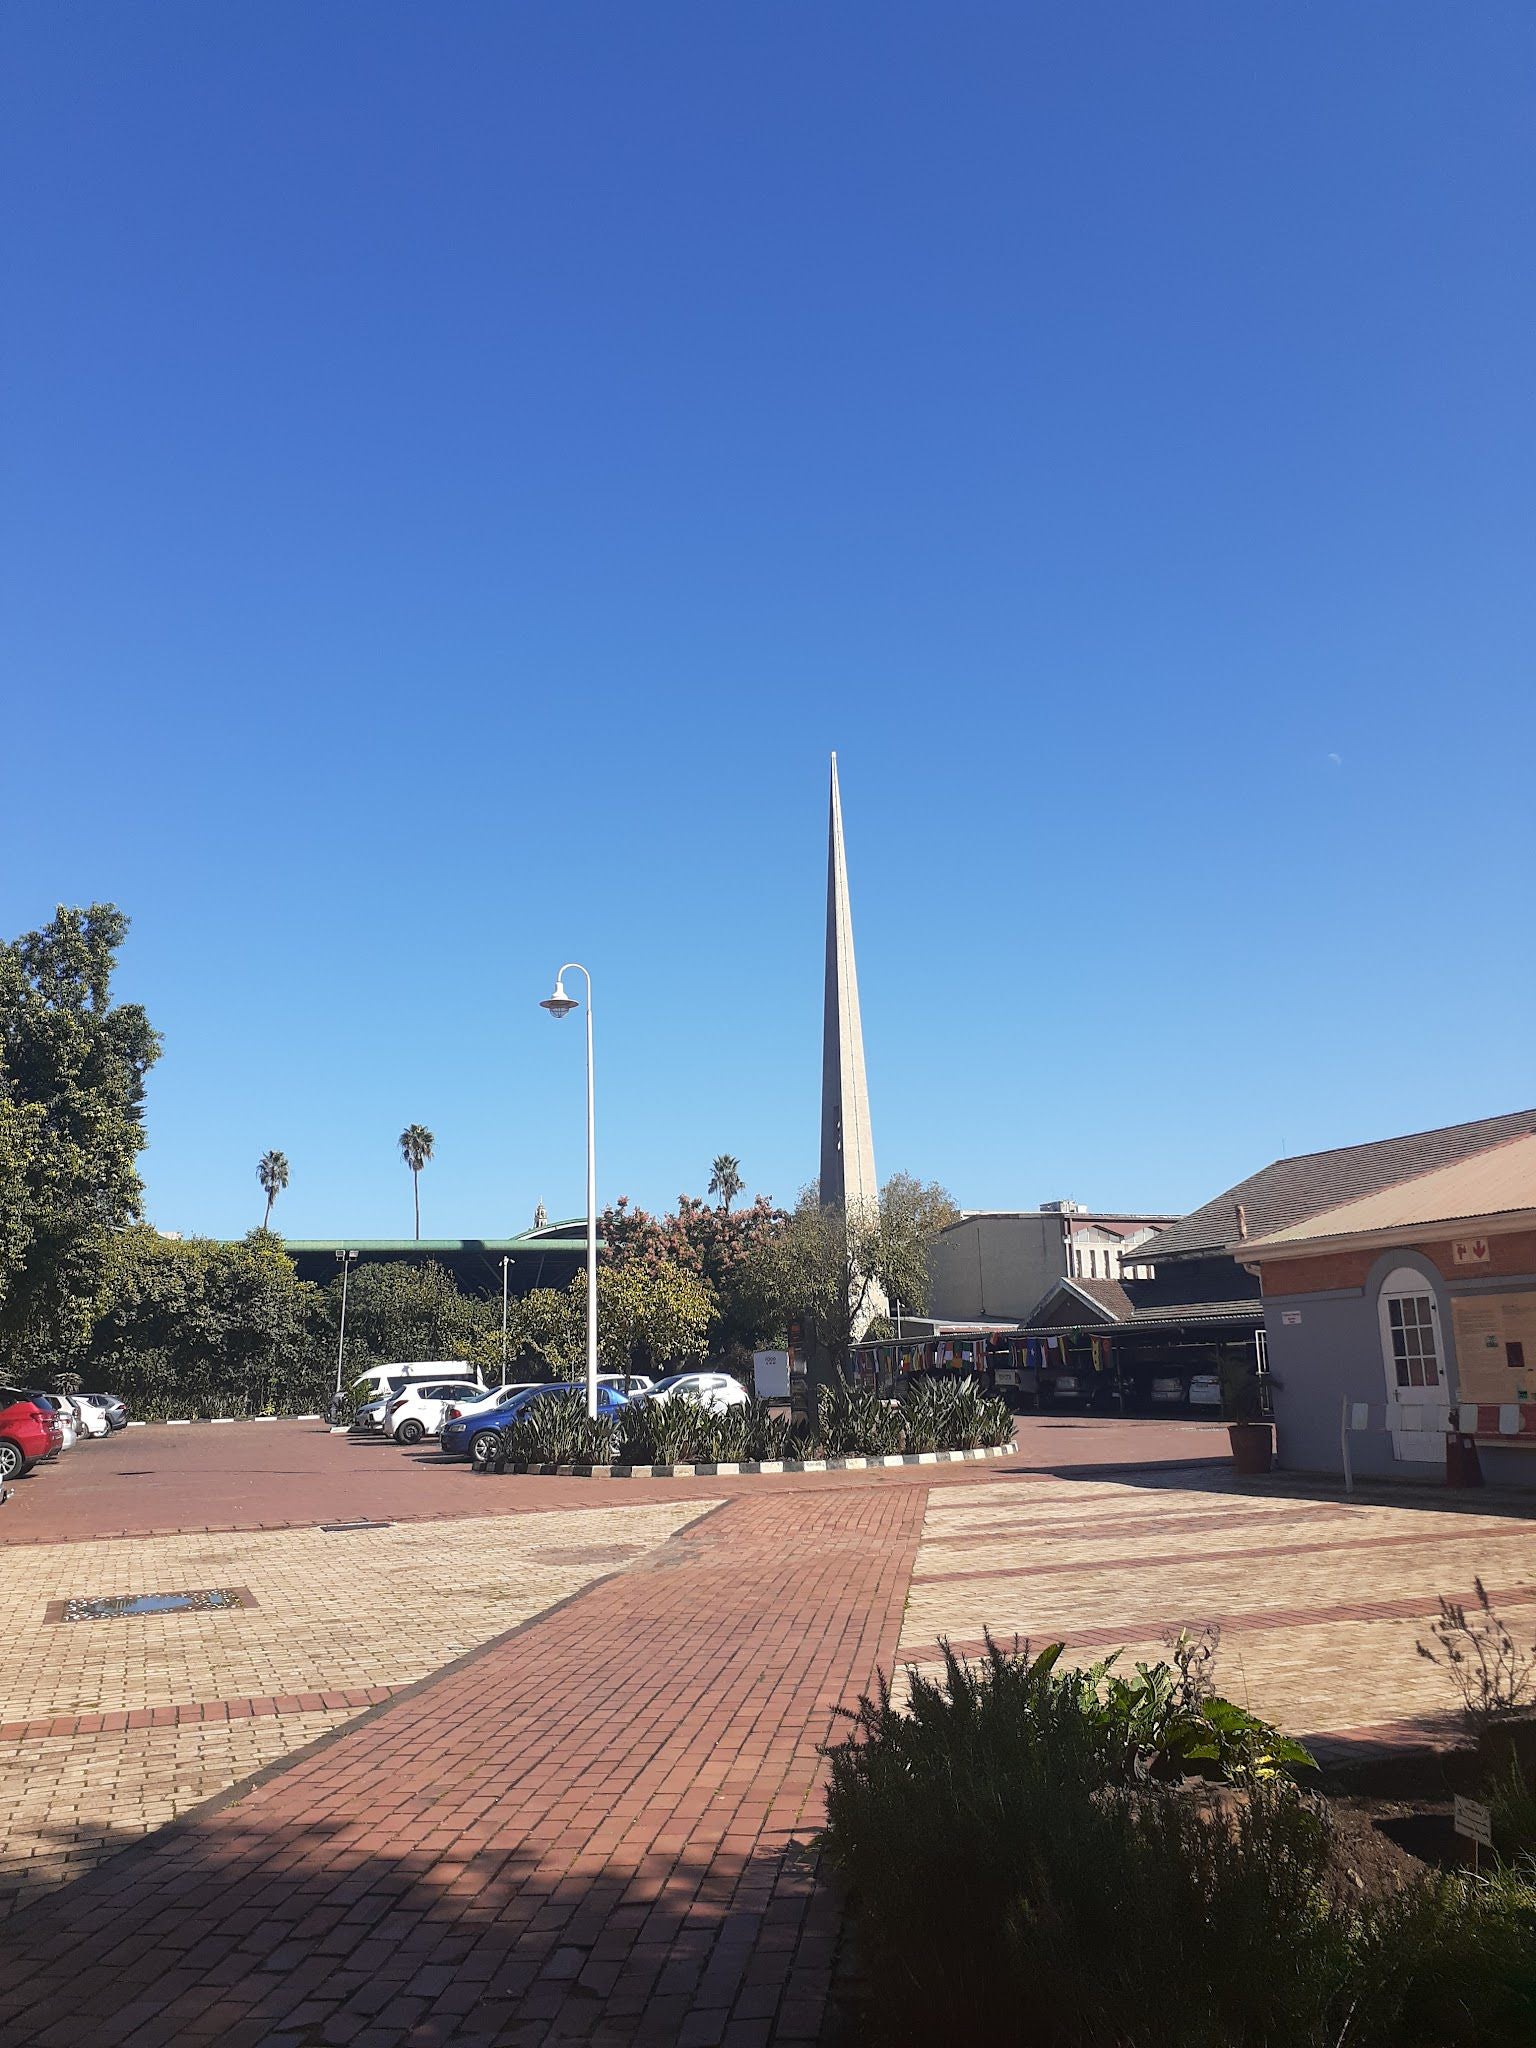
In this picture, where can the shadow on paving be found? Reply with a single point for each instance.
(287, 1938)
(594, 1828)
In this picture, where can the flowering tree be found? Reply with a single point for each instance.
(715, 1245)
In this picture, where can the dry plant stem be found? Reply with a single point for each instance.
(1494, 1676)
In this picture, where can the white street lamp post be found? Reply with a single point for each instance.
(561, 1005)
(346, 1261)
(506, 1264)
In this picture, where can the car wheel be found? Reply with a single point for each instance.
(483, 1447)
(13, 1461)
(409, 1432)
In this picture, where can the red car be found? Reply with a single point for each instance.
(29, 1430)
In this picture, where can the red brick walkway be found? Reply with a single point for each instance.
(593, 1830)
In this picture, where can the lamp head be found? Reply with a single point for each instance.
(559, 1004)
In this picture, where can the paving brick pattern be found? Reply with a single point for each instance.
(1320, 1602)
(595, 1829)
(341, 1623)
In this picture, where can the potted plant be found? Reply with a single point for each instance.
(1252, 1438)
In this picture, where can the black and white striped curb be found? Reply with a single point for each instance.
(187, 1421)
(766, 1466)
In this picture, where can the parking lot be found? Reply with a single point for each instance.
(528, 1758)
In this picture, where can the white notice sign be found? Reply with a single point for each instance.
(1475, 1821)
(1472, 1251)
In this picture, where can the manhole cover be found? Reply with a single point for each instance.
(119, 1606)
(594, 1553)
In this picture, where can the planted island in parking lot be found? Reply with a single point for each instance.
(851, 1422)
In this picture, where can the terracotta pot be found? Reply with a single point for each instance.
(1253, 1447)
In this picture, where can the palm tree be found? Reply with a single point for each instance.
(416, 1143)
(725, 1179)
(272, 1172)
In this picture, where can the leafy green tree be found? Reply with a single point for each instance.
(190, 1326)
(72, 1067)
(416, 1143)
(715, 1244)
(272, 1172)
(725, 1179)
(894, 1245)
(660, 1315)
(829, 1265)
(397, 1313)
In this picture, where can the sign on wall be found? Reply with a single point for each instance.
(1472, 1251)
(1495, 1346)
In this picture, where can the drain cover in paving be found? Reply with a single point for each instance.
(594, 1553)
(117, 1606)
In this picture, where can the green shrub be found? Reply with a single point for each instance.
(1017, 1876)
(556, 1429)
(1512, 1797)
(852, 1422)
(953, 1415)
(673, 1432)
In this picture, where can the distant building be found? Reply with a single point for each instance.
(996, 1264)
(547, 1257)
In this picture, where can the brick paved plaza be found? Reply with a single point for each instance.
(538, 1760)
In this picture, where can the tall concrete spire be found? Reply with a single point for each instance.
(847, 1145)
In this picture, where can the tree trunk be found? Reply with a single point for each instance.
(268, 1217)
(416, 1193)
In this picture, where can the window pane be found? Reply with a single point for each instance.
(1395, 1312)
(1402, 1373)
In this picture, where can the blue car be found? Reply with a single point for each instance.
(458, 1437)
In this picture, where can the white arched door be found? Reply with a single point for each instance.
(1413, 1355)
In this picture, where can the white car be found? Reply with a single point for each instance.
(91, 1417)
(417, 1411)
(67, 1419)
(389, 1380)
(715, 1391)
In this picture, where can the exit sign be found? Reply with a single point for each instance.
(1473, 1251)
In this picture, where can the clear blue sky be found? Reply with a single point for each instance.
(467, 465)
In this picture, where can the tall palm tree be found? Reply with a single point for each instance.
(725, 1179)
(272, 1172)
(416, 1143)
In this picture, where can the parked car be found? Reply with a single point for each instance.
(69, 1425)
(110, 1406)
(460, 1434)
(715, 1391)
(494, 1399)
(90, 1419)
(29, 1430)
(1065, 1386)
(389, 1380)
(1205, 1390)
(417, 1410)
(1168, 1389)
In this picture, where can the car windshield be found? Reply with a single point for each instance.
(676, 1379)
